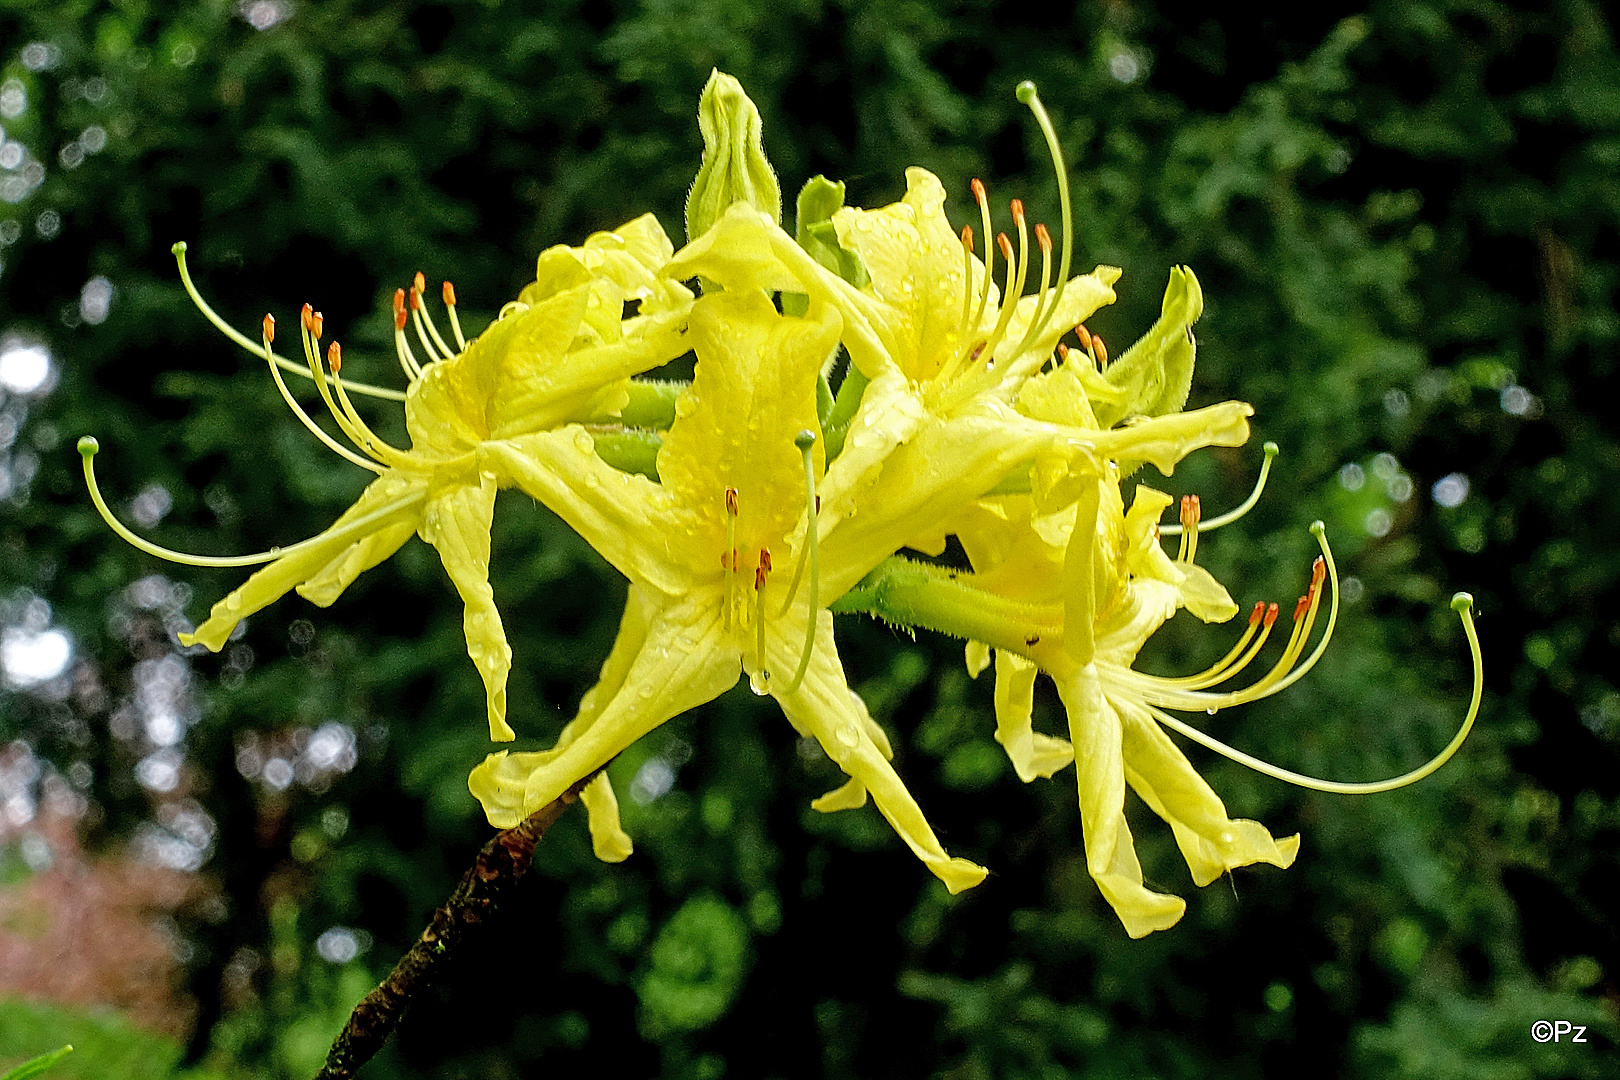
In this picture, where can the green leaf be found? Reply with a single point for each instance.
(38, 1065)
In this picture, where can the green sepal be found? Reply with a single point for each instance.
(835, 426)
(652, 403)
(1154, 375)
(631, 450)
(818, 201)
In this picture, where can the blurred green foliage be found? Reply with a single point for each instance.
(1405, 222)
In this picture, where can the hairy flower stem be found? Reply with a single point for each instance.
(477, 899)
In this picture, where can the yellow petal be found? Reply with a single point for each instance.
(1032, 754)
(1097, 735)
(608, 839)
(457, 524)
(684, 661)
(754, 389)
(1211, 842)
(630, 520)
(390, 501)
(825, 706)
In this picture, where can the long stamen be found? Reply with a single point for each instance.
(372, 443)
(1015, 282)
(1037, 322)
(967, 279)
(402, 348)
(1462, 604)
(1287, 670)
(310, 325)
(179, 250)
(1191, 510)
(88, 447)
(1262, 618)
(804, 441)
(970, 330)
(436, 348)
(298, 411)
(728, 558)
(449, 295)
(1242, 508)
(1027, 95)
(762, 681)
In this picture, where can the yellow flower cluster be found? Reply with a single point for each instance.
(748, 506)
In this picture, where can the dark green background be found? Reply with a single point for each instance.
(1404, 220)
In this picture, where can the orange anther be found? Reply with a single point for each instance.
(764, 568)
(1259, 610)
(1084, 335)
(1005, 245)
(416, 298)
(421, 282)
(1043, 238)
(1271, 615)
(305, 316)
(1318, 572)
(449, 294)
(1190, 511)
(315, 324)
(1102, 350)
(269, 328)
(967, 237)
(978, 189)
(399, 309)
(731, 501)
(334, 357)
(1018, 210)
(1063, 352)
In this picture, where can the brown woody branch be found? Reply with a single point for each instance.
(493, 875)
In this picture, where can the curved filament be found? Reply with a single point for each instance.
(1462, 604)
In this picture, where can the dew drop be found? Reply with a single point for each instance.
(759, 682)
(1212, 710)
(847, 735)
(584, 443)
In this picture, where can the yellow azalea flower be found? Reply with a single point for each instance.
(1118, 587)
(563, 351)
(1076, 593)
(710, 552)
(925, 452)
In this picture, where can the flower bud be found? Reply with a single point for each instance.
(734, 167)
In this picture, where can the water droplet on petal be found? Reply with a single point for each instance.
(759, 682)
(847, 735)
(584, 443)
